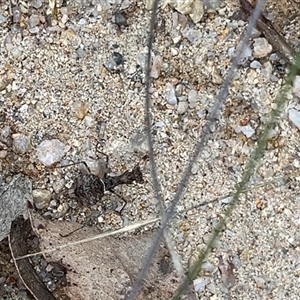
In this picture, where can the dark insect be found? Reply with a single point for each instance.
(90, 189)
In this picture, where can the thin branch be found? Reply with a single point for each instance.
(198, 147)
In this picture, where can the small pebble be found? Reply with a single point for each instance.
(139, 143)
(261, 48)
(207, 267)
(16, 14)
(34, 30)
(41, 198)
(171, 96)
(247, 130)
(82, 22)
(156, 67)
(70, 38)
(2, 19)
(182, 107)
(192, 98)
(200, 283)
(5, 136)
(195, 168)
(3, 154)
(36, 4)
(192, 35)
(21, 142)
(120, 19)
(33, 21)
(260, 282)
(50, 152)
(81, 110)
(255, 64)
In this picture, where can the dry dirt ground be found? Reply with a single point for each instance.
(80, 80)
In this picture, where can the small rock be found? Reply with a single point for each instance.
(3, 154)
(155, 70)
(226, 200)
(294, 116)
(194, 36)
(139, 143)
(16, 14)
(5, 136)
(115, 61)
(182, 107)
(33, 21)
(261, 47)
(200, 283)
(120, 19)
(159, 124)
(255, 64)
(207, 267)
(2, 19)
(41, 198)
(217, 78)
(82, 22)
(195, 168)
(36, 4)
(171, 96)
(81, 109)
(192, 98)
(247, 130)
(50, 152)
(260, 282)
(296, 86)
(34, 30)
(118, 58)
(21, 142)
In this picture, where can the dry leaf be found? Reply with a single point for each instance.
(104, 268)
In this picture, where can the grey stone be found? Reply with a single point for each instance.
(194, 36)
(192, 98)
(13, 202)
(21, 143)
(247, 130)
(182, 107)
(36, 4)
(50, 152)
(2, 19)
(200, 283)
(34, 20)
(171, 96)
(255, 64)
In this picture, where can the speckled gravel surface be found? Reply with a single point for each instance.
(81, 80)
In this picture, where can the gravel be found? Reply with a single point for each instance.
(68, 85)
